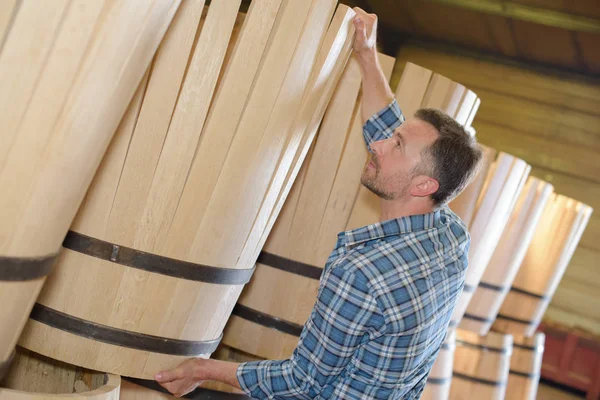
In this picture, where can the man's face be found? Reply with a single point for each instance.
(390, 171)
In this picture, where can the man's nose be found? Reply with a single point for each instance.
(378, 146)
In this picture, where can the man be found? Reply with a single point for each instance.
(388, 289)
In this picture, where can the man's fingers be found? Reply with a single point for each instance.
(168, 376)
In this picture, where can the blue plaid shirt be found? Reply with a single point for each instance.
(385, 300)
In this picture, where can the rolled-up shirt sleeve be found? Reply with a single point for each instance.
(383, 124)
(344, 317)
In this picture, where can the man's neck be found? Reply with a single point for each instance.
(392, 209)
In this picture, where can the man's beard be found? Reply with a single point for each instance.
(374, 182)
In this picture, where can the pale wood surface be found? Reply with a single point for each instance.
(316, 209)
(526, 361)
(119, 297)
(477, 362)
(442, 369)
(552, 121)
(57, 64)
(34, 377)
(8, 9)
(509, 254)
(551, 249)
(465, 204)
(504, 183)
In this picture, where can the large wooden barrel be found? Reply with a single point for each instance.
(34, 377)
(440, 377)
(504, 264)
(169, 231)
(269, 315)
(555, 239)
(525, 367)
(68, 70)
(481, 365)
(505, 180)
(320, 192)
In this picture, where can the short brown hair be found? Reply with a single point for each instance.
(453, 158)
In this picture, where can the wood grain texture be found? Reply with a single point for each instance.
(58, 63)
(316, 209)
(526, 359)
(551, 249)
(503, 186)
(508, 255)
(259, 89)
(440, 377)
(34, 377)
(481, 357)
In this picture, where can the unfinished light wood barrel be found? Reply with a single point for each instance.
(505, 180)
(525, 367)
(167, 235)
(318, 204)
(555, 239)
(481, 365)
(34, 377)
(68, 70)
(440, 377)
(504, 264)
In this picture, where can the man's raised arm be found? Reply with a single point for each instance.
(376, 92)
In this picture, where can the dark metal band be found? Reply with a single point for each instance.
(469, 288)
(18, 269)
(285, 264)
(477, 380)
(267, 320)
(524, 374)
(438, 381)
(478, 318)
(535, 349)
(500, 350)
(121, 337)
(447, 346)
(154, 263)
(200, 393)
(5, 365)
(489, 286)
(528, 293)
(517, 320)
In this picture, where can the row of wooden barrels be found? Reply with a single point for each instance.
(190, 193)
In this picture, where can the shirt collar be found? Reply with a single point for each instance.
(391, 227)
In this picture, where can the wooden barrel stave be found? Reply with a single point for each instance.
(48, 119)
(525, 367)
(440, 377)
(544, 264)
(34, 377)
(123, 312)
(481, 365)
(503, 266)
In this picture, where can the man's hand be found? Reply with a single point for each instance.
(365, 39)
(183, 379)
(190, 373)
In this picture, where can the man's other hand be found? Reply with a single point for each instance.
(183, 379)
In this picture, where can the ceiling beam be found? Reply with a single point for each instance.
(522, 12)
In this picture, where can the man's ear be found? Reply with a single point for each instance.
(424, 186)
